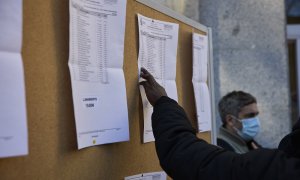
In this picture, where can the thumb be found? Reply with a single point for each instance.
(144, 83)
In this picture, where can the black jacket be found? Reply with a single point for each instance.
(185, 157)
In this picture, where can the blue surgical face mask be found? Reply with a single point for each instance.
(250, 129)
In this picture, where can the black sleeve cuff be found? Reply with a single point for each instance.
(164, 99)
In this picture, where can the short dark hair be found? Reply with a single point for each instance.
(233, 102)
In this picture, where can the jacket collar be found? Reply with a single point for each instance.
(237, 139)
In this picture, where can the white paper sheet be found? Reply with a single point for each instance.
(149, 176)
(157, 53)
(97, 30)
(13, 123)
(202, 96)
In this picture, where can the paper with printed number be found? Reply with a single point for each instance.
(97, 30)
(148, 176)
(201, 92)
(13, 121)
(157, 53)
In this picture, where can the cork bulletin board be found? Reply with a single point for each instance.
(53, 150)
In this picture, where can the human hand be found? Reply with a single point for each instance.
(254, 146)
(153, 90)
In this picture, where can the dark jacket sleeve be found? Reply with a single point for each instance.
(185, 157)
(290, 144)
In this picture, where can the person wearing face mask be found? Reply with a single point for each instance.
(239, 114)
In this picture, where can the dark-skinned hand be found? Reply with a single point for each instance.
(153, 90)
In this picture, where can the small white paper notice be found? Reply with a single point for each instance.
(97, 30)
(149, 176)
(13, 123)
(202, 96)
(157, 53)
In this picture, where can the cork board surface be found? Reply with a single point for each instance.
(53, 150)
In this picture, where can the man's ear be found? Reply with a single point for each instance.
(229, 120)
